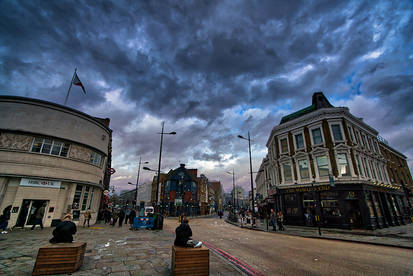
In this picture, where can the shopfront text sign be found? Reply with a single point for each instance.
(307, 189)
(40, 183)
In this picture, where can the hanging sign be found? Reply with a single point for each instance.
(40, 183)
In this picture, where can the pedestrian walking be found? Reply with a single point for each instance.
(132, 216)
(115, 216)
(87, 217)
(127, 215)
(280, 221)
(38, 217)
(21, 220)
(121, 216)
(4, 219)
(273, 218)
(107, 215)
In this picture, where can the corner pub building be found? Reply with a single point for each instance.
(325, 163)
(52, 156)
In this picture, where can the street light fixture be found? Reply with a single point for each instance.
(252, 184)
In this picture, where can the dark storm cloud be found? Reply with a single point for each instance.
(198, 65)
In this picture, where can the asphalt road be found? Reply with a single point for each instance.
(279, 254)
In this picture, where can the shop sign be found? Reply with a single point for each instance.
(271, 192)
(307, 189)
(40, 183)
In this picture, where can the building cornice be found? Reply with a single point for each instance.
(316, 116)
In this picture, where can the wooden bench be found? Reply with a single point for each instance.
(190, 261)
(59, 258)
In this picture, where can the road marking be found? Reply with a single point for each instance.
(237, 262)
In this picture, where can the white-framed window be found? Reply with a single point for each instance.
(299, 141)
(379, 171)
(303, 169)
(373, 171)
(96, 158)
(366, 145)
(358, 137)
(323, 167)
(283, 141)
(49, 146)
(343, 164)
(287, 172)
(336, 131)
(316, 133)
(366, 166)
(385, 174)
(350, 131)
(359, 165)
(371, 145)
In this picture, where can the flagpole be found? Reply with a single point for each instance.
(71, 82)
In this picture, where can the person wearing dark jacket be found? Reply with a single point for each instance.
(132, 216)
(183, 235)
(121, 216)
(64, 231)
(4, 219)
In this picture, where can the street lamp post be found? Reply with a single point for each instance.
(159, 164)
(137, 179)
(252, 184)
(233, 186)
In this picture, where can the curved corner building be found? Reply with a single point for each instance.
(51, 156)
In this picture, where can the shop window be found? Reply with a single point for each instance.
(299, 141)
(396, 209)
(330, 207)
(287, 172)
(343, 166)
(337, 135)
(76, 198)
(96, 158)
(284, 145)
(328, 195)
(317, 137)
(303, 168)
(308, 200)
(290, 197)
(49, 146)
(85, 197)
(292, 211)
(376, 203)
(370, 205)
(322, 164)
(91, 198)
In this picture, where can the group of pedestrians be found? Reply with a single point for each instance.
(277, 218)
(119, 215)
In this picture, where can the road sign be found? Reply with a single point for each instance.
(111, 171)
(105, 192)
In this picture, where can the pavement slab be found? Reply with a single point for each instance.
(110, 251)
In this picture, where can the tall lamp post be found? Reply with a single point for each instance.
(137, 179)
(160, 157)
(233, 186)
(252, 184)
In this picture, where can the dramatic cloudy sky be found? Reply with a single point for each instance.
(211, 70)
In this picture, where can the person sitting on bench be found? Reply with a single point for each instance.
(184, 234)
(64, 230)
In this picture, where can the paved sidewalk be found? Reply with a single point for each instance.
(399, 236)
(110, 251)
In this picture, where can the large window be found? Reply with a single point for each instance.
(49, 146)
(366, 165)
(76, 198)
(303, 168)
(366, 145)
(322, 164)
(287, 172)
(373, 171)
(96, 158)
(284, 145)
(359, 165)
(350, 131)
(358, 137)
(338, 136)
(379, 171)
(343, 166)
(317, 137)
(85, 197)
(299, 141)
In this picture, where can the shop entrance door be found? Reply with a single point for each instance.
(354, 215)
(34, 206)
